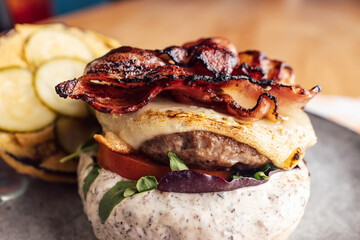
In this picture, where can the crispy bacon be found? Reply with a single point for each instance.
(259, 66)
(123, 63)
(211, 56)
(208, 73)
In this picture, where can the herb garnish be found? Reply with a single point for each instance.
(122, 190)
(112, 198)
(146, 184)
(236, 176)
(258, 173)
(176, 164)
(90, 178)
(89, 145)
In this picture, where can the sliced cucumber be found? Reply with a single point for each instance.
(49, 43)
(11, 46)
(20, 109)
(53, 72)
(98, 46)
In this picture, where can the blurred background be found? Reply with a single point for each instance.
(319, 39)
(28, 11)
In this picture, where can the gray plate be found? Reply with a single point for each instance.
(54, 211)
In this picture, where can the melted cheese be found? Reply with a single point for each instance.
(283, 143)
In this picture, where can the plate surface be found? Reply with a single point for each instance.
(333, 210)
(54, 211)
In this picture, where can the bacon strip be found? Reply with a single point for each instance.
(210, 56)
(207, 73)
(259, 66)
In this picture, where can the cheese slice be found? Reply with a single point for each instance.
(283, 143)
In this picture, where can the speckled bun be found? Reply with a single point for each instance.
(268, 211)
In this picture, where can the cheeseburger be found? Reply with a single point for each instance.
(198, 142)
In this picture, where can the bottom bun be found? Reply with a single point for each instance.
(37, 154)
(268, 211)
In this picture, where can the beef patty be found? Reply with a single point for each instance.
(203, 150)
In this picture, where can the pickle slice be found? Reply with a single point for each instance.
(11, 50)
(69, 139)
(53, 72)
(98, 44)
(49, 43)
(20, 109)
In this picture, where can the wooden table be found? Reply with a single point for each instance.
(319, 39)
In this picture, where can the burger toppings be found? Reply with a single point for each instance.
(207, 73)
(179, 179)
(129, 166)
(188, 181)
(175, 162)
(212, 56)
(127, 133)
(183, 180)
(135, 166)
(203, 150)
(176, 171)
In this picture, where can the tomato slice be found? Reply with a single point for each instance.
(135, 166)
(130, 166)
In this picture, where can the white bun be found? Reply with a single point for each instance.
(268, 211)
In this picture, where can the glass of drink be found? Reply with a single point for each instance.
(12, 184)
